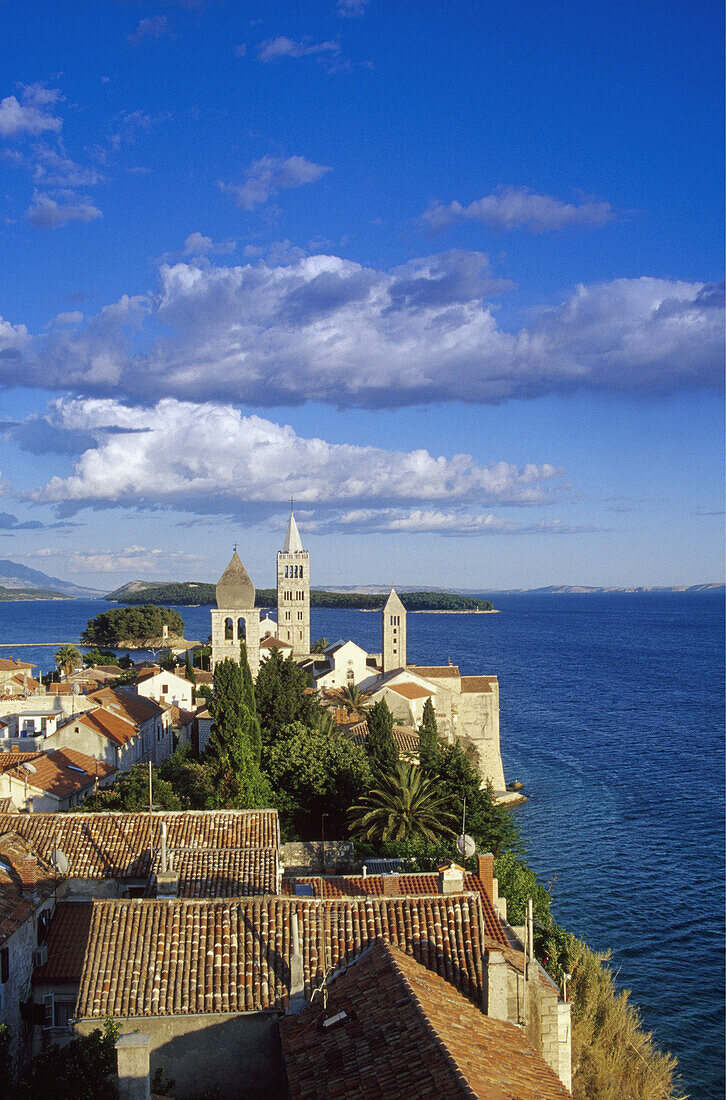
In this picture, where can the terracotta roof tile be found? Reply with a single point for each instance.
(407, 1033)
(25, 882)
(113, 726)
(221, 872)
(471, 684)
(67, 942)
(117, 844)
(12, 759)
(406, 737)
(435, 672)
(411, 691)
(405, 885)
(162, 958)
(132, 707)
(9, 664)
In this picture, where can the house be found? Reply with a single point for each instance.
(16, 677)
(48, 782)
(27, 888)
(152, 719)
(104, 735)
(165, 687)
(389, 1027)
(342, 664)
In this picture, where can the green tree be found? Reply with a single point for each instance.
(130, 793)
(491, 825)
(189, 669)
(315, 771)
(319, 645)
(403, 804)
(428, 733)
(85, 1068)
(284, 695)
(233, 750)
(67, 658)
(380, 744)
(190, 779)
(352, 698)
(135, 624)
(99, 657)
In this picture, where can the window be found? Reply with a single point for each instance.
(350, 675)
(241, 630)
(164, 689)
(228, 630)
(301, 572)
(299, 614)
(4, 964)
(287, 615)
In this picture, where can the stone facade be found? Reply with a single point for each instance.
(293, 592)
(393, 631)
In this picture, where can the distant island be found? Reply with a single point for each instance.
(199, 594)
(134, 628)
(31, 594)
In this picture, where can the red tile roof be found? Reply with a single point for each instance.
(402, 885)
(13, 759)
(67, 942)
(407, 1033)
(132, 707)
(118, 844)
(435, 672)
(411, 691)
(116, 729)
(471, 684)
(61, 772)
(9, 664)
(274, 643)
(221, 872)
(163, 958)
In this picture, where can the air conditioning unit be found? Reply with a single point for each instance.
(40, 957)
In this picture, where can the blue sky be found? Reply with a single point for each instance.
(450, 274)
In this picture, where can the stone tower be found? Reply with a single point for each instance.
(293, 592)
(235, 618)
(393, 646)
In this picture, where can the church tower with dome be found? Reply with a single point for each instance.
(235, 618)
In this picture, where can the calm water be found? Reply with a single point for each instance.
(612, 717)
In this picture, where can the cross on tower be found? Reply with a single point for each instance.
(292, 502)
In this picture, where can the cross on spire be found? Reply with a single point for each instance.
(235, 548)
(292, 502)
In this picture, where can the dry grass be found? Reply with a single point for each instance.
(613, 1058)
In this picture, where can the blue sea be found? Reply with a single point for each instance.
(612, 717)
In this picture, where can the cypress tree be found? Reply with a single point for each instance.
(380, 744)
(428, 733)
(233, 748)
(189, 669)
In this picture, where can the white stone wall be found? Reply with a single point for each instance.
(293, 600)
(21, 947)
(178, 690)
(230, 647)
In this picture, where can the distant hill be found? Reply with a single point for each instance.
(15, 575)
(196, 593)
(579, 589)
(14, 594)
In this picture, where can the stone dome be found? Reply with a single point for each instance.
(235, 590)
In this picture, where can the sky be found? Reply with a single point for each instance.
(449, 274)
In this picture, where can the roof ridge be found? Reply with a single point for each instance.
(389, 950)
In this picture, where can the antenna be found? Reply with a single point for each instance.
(465, 844)
(59, 860)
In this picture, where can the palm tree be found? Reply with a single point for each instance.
(67, 658)
(352, 699)
(403, 804)
(319, 646)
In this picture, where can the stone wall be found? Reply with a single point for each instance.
(225, 1055)
(21, 949)
(478, 726)
(306, 857)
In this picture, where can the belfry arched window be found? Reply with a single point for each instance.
(241, 630)
(228, 630)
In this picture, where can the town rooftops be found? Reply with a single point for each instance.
(9, 664)
(67, 941)
(10, 760)
(61, 772)
(406, 737)
(478, 684)
(118, 844)
(179, 957)
(271, 642)
(401, 885)
(393, 1028)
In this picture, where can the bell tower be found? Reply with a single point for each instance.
(393, 644)
(293, 591)
(235, 619)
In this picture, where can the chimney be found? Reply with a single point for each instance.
(496, 986)
(451, 879)
(391, 886)
(132, 1060)
(485, 872)
(297, 982)
(14, 748)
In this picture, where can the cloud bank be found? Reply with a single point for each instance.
(320, 328)
(267, 176)
(209, 458)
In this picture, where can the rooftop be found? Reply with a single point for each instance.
(411, 691)
(25, 882)
(177, 957)
(110, 725)
(126, 704)
(118, 844)
(222, 872)
(61, 772)
(435, 672)
(406, 1032)
(67, 942)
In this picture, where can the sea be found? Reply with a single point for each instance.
(612, 717)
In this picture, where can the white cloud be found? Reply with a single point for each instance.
(51, 168)
(150, 29)
(29, 114)
(197, 244)
(435, 521)
(518, 208)
(210, 458)
(267, 176)
(351, 7)
(320, 328)
(46, 212)
(132, 558)
(275, 49)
